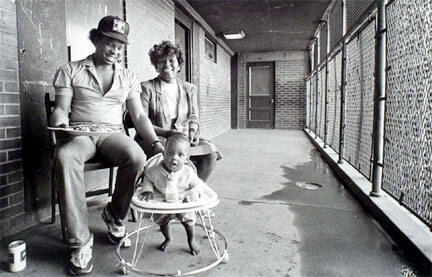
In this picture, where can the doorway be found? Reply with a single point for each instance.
(182, 38)
(260, 95)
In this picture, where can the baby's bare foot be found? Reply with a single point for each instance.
(165, 245)
(194, 248)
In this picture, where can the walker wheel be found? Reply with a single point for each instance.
(225, 258)
(124, 270)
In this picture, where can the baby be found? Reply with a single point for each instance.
(177, 182)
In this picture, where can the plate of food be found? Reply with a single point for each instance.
(89, 129)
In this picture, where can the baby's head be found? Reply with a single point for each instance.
(176, 151)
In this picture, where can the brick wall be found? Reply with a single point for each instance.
(151, 22)
(290, 100)
(290, 89)
(215, 91)
(11, 175)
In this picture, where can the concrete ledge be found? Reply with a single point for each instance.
(406, 229)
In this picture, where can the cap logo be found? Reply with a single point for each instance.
(119, 26)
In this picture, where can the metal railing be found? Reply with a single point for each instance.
(380, 66)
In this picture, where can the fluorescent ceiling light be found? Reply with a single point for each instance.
(234, 35)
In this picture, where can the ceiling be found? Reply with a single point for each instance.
(269, 25)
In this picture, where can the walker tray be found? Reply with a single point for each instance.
(207, 200)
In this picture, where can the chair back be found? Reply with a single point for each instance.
(49, 107)
(127, 122)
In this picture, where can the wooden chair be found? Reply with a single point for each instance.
(91, 165)
(127, 123)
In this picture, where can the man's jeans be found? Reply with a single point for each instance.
(70, 157)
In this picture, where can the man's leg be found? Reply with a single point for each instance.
(69, 175)
(69, 161)
(124, 152)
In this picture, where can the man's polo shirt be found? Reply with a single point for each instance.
(89, 103)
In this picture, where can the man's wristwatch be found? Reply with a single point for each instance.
(154, 143)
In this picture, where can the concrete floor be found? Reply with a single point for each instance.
(273, 227)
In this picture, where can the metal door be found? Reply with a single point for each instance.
(260, 96)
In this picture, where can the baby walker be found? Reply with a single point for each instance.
(208, 199)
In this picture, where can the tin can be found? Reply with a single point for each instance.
(17, 256)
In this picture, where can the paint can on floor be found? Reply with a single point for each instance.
(17, 256)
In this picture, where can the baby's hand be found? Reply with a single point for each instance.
(192, 196)
(146, 196)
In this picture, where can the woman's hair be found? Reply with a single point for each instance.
(166, 48)
(95, 35)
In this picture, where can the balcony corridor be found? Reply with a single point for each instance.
(273, 226)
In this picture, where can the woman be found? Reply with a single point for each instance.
(172, 106)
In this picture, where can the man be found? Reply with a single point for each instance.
(93, 90)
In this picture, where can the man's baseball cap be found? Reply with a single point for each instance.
(114, 27)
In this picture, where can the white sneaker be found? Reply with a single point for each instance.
(116, 232)
(80, 262)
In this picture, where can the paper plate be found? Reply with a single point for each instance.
(83, 133)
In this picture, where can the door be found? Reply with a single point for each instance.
(260, 95)
(183, 28)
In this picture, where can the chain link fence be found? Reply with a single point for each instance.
(308, 97)
(321, 102)
(359, 99)
(407, 172)
(407, 169)
(333, 99)
(312, 102)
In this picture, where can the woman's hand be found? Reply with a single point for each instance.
(193, 138)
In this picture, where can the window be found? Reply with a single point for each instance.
(210, 49)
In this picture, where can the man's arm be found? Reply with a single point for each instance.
(142, 123)
(60, 115)
(162, 132)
